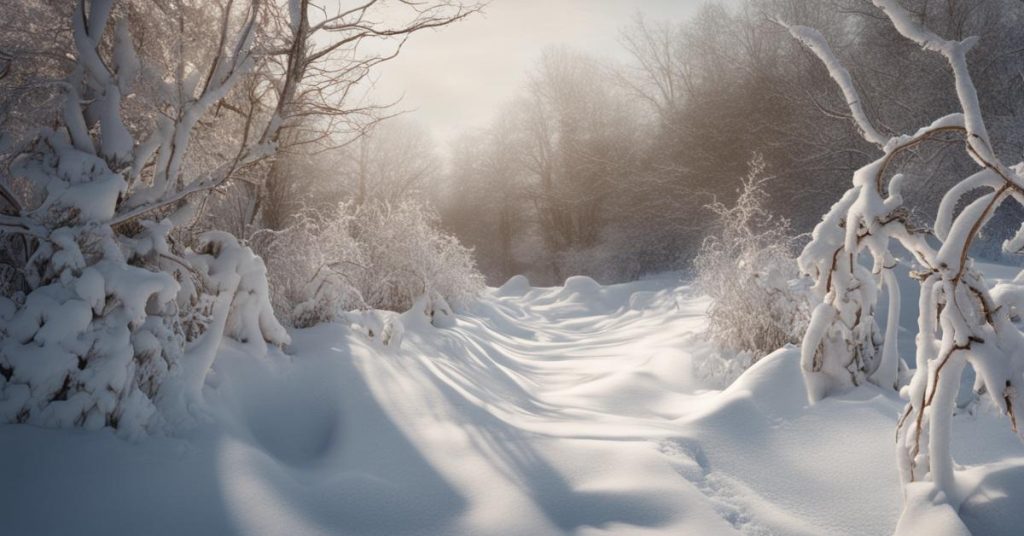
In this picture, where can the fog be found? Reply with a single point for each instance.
(457, 77)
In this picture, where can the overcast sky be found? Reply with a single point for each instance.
(455, 78)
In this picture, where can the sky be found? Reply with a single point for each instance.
(456, 78)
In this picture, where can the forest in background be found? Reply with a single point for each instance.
(607, 169)
(598, 167)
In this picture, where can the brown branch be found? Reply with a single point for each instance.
(909, 145)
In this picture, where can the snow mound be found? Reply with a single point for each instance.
(644, 299)
(516, 286)
(927, 512)
(580, 287)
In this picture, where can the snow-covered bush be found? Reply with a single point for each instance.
(959, 322)
(374, 256)
(96, 335)
(408, 256)
(310, 267)
(747, 266)
(99, 340)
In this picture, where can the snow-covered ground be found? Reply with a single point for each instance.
(578, 409)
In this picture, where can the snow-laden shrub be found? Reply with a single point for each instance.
(375, 256)
(310, 266)
(100, 339)
(408, 256)
(91, 344)
(747, 266)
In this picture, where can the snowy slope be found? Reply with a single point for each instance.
(577, 409)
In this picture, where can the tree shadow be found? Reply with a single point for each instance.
(359, 474)
(298, 445)
(511, 451)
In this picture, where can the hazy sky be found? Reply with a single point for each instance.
(457, 77)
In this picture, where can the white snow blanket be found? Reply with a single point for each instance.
(573, 410)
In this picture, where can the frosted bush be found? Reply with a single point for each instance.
(407, 256)
(310, 265)
(746, 266)
(375, 256)
(109, 321)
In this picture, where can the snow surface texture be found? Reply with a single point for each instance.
(575, 410)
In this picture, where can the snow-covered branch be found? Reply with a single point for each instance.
(816, 42)
(959, 321)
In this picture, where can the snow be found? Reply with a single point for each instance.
(816, 42)
(126, 61)
(134, 286)
(928, 512)
(235, 271)
(516, 285)
(888, 369)
(565, 410)
(985, 178)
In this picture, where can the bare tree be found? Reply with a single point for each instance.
(390, 163)
(661, 69)
(582, 139)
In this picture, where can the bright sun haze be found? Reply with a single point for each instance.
(454, 79)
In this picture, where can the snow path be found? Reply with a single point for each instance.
(576, 410)
(556, 428)
(570, 410)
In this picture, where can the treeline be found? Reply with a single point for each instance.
(606, 169)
